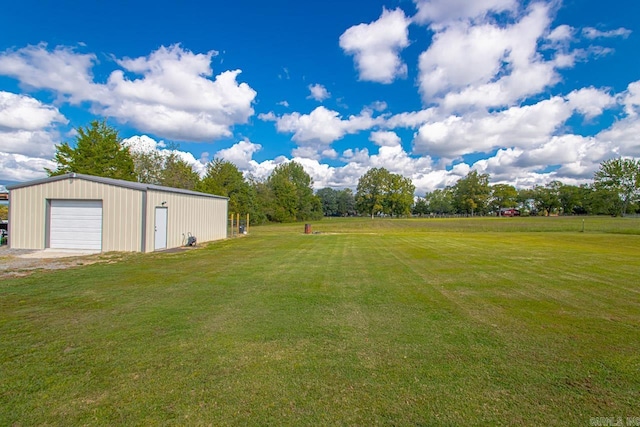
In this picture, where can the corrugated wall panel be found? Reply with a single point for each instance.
(203, 217)
(122, 219)
(27, 219)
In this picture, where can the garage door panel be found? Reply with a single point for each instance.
(76, 224)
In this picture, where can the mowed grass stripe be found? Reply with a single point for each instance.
(370, 322)
(515, 295)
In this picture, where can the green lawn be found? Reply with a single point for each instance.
(498, 321)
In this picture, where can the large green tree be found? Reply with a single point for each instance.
(346, 202)
(329, 199)
(420, 207)
(574, 200)
(400, 195)
(292, 194)
(440, 201)
(471, 193)
(372, 190)
(547, 198)
(502, 196)
(380, 191)
(223, 178)
(148, 166)
(621, 176)
(98, 151)
(178, 173)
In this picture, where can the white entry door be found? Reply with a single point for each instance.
(75, 224)
(161, 229)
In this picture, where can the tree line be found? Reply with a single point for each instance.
(615, 190)
(287, 193)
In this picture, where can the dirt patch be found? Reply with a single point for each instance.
(22, 262)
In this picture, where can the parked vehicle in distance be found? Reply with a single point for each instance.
(509, 212)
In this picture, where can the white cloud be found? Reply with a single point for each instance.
(590, 101)
(378, 106)
(385, 139)
(171, 94)
(594, 33)
(485, 65)
(442, 12)
(314, 132)
(27, 137)
(517, 126)
(561, 33)
(412, 119)
(176, 98)
(142, 144)
(480, 48)
(578, 158)
(564, 149)
(21, 112)
(623, 137)
(240, 154)
(631, 99)
(39, 143)
(284, 104)
(61, 70)
(318, 92)
(355, 155)
(376, 46)
(20, 168)
(330, 154)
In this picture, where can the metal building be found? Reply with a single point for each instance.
(76, 211)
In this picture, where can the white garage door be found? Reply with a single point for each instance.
(76, 224)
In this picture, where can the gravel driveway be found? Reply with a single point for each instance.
(22, 262)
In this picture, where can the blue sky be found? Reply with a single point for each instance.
(527, 91)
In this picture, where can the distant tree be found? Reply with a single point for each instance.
(346, 202)
(148, 166)
(178, 173)
(621, 176)
(603, 201)
(4, 212)
(574, 200)
(292, 193)
(547, 198)
(380, 191)
(525, 200)
(420, 207)
(440, 201)
(372, 191)
(502, 196)
(223, 178)
(471, 193)
(399, 197)
(265, 201)
(329, 199)
(98, 151)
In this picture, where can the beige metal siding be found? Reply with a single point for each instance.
(203, 217)
(122, 212)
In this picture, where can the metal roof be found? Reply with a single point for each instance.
(115, 182)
